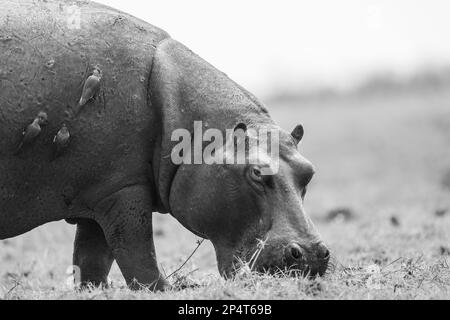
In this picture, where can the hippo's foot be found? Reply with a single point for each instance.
(158, 285)
(126, 219)
(92, 254)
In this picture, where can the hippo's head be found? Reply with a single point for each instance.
(251, 216)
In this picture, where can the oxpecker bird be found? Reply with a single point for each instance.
(32, 130)
(91, 87)
(61, 140)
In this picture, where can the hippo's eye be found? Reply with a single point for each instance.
(257, 179)
(256, 173)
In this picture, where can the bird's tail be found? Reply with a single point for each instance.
(19, 148)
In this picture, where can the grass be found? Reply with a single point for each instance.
(384, 162)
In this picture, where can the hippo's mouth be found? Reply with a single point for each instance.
(297, 271)
(276, 259)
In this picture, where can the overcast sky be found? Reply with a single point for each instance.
(265, 44)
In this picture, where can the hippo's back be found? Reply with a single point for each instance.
(47, 50)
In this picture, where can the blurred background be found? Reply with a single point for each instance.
(272, 47)
(370, 82)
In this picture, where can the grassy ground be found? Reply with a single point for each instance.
(380, 198)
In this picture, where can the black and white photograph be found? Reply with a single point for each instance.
(246, 151)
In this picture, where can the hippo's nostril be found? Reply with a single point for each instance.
(323, 253)
(296, 251)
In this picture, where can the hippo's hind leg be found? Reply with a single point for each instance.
(91, 253)
(126, 218)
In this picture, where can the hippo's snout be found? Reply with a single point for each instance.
(298, 259)
(312, 261)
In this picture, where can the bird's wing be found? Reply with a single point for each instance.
(87, 94)
(32, 133)
(92, 83)
(91, 86)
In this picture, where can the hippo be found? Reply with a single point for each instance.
(116, 170)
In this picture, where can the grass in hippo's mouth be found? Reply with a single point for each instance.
(245, 261)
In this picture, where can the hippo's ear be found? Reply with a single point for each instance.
(297, 133)
(241, 126)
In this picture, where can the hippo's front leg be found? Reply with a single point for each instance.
(126, 219)
(91, 253)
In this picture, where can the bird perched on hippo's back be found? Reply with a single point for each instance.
(91, 87)
(61, 140)
(32, 131)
